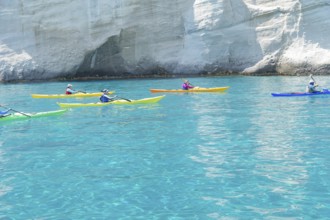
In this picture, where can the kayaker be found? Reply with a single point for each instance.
(105, 97)
(69, 90)
(186, 85)
(311, 88)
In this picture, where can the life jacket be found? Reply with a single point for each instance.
(311, 88)
(104, 99)
(68, 92)
(185, 86)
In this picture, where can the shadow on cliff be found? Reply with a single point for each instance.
(233, 45)
(105, 60)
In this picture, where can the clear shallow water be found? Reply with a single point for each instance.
(242, 154)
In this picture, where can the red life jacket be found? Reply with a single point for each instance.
(67, 92)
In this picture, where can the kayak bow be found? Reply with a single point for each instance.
(196, 89)
(115, 102)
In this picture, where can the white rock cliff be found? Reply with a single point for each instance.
(77, 38)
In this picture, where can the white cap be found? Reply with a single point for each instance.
(69, 85)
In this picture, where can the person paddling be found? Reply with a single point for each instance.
(186, 85)
(105, 96)
(311, 88)
(69, 90)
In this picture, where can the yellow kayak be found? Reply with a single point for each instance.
(115, 102)
(196, 89)
(76, 95)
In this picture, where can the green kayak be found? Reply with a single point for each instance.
(23, 115)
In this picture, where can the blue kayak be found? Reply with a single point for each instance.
(324, 92)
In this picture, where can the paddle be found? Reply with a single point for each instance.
(113, 98)
(189, 84)
(82, 91)
(311, 76)
(322, 89)
(116, 98)
(124, 99)
(16, 111)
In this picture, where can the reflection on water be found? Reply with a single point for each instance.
(239, 155)
(252, 149)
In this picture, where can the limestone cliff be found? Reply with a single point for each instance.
(59, 38)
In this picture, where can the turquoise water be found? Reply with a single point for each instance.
(242, 154)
